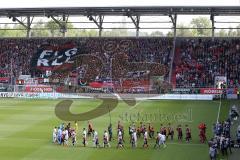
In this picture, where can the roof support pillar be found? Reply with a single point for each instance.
(27, 25)
(29, 22)
(100, 25)
(174, 22)
(136, 21)
(213, 25)
(61, 23)
(98, 20)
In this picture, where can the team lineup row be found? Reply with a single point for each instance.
(63, 134)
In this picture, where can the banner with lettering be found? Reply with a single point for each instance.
(51, 57)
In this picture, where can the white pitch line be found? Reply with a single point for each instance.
(135, 105)
(219, 109)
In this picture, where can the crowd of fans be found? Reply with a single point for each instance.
(105, 62)
(203, 59)
(17, 54)
(120, 54)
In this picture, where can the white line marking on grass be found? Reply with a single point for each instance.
(219, 109)
(135, 105)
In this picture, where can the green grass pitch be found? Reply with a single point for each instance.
(26, 129)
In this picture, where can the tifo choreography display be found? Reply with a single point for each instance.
(124, 64)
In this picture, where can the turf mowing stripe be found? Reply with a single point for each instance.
(22, 121)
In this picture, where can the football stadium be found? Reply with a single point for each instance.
(139, 82)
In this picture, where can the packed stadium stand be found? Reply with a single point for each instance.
(197, 61)
(96, 58)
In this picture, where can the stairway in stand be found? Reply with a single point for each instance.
(176, 61)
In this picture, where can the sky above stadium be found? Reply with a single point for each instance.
(101, 3)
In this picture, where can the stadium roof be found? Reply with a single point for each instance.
(122, 11)
(97, 14)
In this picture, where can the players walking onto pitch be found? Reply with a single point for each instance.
(110, 132)
(62, 135)
(134, 139)
(160, 140)
(145, 140)
(202, 135)
(95, 139)
(84, 137)
(90, 129)
(188, 134)
(180, 133)
(106, 139)
(74, 137)
(120, 139)
(54, 140)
